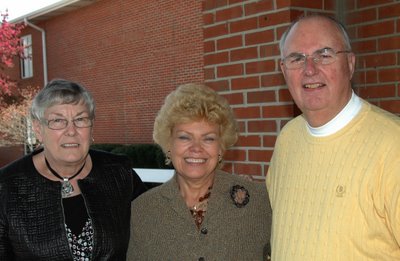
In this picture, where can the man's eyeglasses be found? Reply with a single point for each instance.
(322, 56)
(59, 124)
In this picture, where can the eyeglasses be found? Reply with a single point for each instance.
(59, 124)
(322, 56)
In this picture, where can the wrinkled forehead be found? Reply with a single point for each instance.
(311, 34)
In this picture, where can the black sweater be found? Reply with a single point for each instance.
(31, 212)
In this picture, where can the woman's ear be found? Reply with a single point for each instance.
(38, 130)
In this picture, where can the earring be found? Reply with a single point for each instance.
(92, 140)
(168, 158)
(219, 159)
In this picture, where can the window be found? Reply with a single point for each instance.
(26, 62)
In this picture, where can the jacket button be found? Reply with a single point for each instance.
(204, 231)
(201, 259)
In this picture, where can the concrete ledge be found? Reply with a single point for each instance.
(155, 175)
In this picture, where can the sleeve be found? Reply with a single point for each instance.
(392, 200)
(5, 245)
(138, 186)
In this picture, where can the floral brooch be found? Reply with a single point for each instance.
(240, 196)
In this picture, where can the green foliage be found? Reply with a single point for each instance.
(141, 155)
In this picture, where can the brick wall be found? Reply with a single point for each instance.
(129, 54)
(132, 53)
(375, 26)
(242, 63)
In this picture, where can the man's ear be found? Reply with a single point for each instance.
(351, 61)
(283, 69)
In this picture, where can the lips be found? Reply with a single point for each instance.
(313, 85)
(193, 160)
(70, 145)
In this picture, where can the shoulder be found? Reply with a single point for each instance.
(105, 157)
(384, 117)
(233, 182)
(15, 168)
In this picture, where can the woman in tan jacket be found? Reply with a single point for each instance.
(202, 213)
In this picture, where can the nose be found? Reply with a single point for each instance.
(196, 145)
(70, 130)
(310, 66)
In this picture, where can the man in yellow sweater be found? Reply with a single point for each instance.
(334, 178)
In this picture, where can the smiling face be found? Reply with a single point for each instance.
(320, 91)
(68, 146)
(195, 147)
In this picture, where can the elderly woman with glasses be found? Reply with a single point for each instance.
(202, 213)
(65, 201)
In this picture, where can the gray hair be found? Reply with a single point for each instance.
(339, 25)
(61, 91)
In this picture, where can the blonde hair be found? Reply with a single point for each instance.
(192, 102)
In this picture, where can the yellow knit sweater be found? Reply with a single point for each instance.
(337, 197)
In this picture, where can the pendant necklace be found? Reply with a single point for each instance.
(66, 189)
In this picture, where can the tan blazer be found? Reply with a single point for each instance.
(162, 227)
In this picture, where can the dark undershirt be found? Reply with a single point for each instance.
(75, 213)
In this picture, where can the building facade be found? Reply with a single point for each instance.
(131, 54)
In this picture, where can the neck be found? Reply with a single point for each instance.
(192, 191)
(319, 118)
(68, 172)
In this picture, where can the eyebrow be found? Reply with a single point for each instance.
(61, 115)
(318, 50)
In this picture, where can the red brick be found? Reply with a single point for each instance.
(284, 95)
(209, 46)
(369, 3)
(269, 50)
(361, 16)
(261, 126)
(244, 54)
(365, 46)
(391, 105)
(275, 18)
(350, 5)
(260, 155)
(212, 4)
(282, 4)
(219, 86)
(259, 7)
(215, 31)
(376, 29)
(269, 141)
(378, 60)
(259, 37)
(230, 70)
(234, 98)
(389, 75)
(235, 154)
(243, 25)
(389, 43)
(272, 80)
(260, 67)
(245, 83)
(384, 91)
(208, 19)
(261, 96)
(247, 112)
(229, 13)
(279, 111)
(389, 11)
(249, 141)
(209, 74)
(330, 5)
(248, 168)
(229, 42)
(216, 58)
